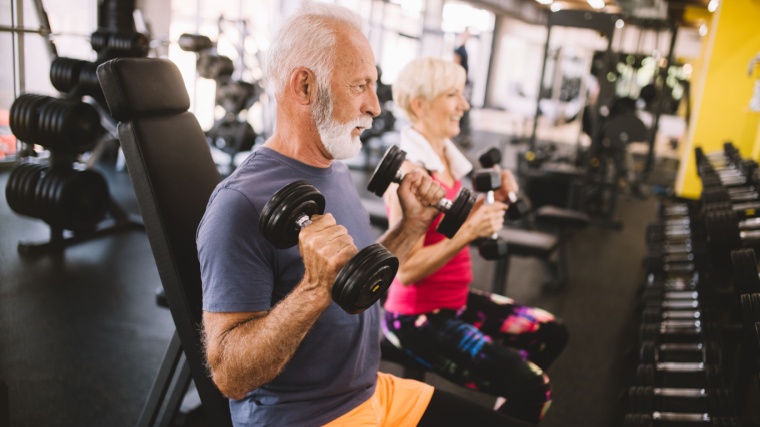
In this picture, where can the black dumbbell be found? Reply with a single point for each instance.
(491, 158)
(680, 374)
(656, 314)
(364, 278)
(388, 171)
(679, 331)
(653, 352)
(725, 235)
(486, 181)
(678, 418)
(713, 401)
(746, 279)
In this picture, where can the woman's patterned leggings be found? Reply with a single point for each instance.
(494, 345)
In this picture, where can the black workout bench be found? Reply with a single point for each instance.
(560, 221)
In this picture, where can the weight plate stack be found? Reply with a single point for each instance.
(365, 278)
(279, 215)
(454, 218)
(386, 170)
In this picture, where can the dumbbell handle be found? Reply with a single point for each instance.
(680, 366)
(680, 392)
(302, 221)
(681, 417)
(443, 205)
(490, 199)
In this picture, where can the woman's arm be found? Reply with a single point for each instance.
(421, 261)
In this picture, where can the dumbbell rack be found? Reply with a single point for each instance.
(699, 337)
(62, 190)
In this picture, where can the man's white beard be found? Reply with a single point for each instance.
(336, 137)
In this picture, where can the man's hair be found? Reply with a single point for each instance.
(425, 78)
(308, 39)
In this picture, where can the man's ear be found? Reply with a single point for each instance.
(302, 85)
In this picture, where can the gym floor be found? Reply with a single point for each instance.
(81, 335)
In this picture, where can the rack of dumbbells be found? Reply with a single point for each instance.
(61, 189)
(697, 326)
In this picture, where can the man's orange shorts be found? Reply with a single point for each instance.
(396, 402)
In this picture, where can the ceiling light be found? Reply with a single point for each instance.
(555, 7)
(703, 30)
(596, 4)
(545, 1)
(713, 5)
(619, 24)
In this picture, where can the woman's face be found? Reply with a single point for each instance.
(441, 115)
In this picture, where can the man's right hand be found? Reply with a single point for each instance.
(325, 248)
(419, 195)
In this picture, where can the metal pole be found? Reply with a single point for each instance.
(658, 111)
(532, 143)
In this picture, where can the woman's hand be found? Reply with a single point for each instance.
(508, 185)
(484, 220)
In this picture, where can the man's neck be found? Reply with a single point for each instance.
(297, 147)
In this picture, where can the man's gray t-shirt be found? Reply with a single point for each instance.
(335, 367)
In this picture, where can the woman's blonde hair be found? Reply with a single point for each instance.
(425, 78)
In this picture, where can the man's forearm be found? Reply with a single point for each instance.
(252, 353)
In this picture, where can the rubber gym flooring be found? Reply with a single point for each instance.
(81, 336)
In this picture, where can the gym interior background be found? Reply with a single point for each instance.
(633, 126)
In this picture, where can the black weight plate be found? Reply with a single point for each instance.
(40, 190)
(55, 212)
(492, 249)
(365, 278)
(48, 207)
(648, 352)
(81, 126)
(25, 170)
(755, 305)
(23, 121)
(646, 373)
(517, 209)
(84, 200)
(45, 123)
(386, 170)
(457, 214)
(747, 311)
(278, 217)
(744, 264)
(28, 188)
(11, 187)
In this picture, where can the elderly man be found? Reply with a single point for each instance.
(277, 345)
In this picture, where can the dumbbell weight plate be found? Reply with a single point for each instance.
(457, 214)
(386, 170)
(517, 209)
(84, 200)
(365, 278)
(28, 188)
(746, 278)
(11, 187)
(39, 205)
(279, 215)
(63, 176)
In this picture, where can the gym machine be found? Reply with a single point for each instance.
(232, 134)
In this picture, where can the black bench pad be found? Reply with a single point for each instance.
(561, 217)
(528, 243)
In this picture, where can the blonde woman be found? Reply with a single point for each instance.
(482, 341)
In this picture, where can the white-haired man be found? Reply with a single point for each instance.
(277, 345)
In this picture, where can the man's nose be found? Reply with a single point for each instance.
(372, 105)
